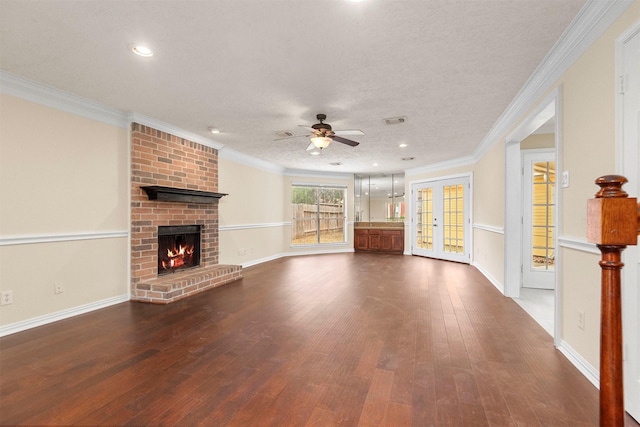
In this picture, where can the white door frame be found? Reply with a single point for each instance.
(550, 106)
(627, 155)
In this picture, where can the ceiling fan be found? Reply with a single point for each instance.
(322, 134)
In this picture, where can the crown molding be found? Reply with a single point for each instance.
(173, 130)
(38, 93)
(317, 174)
(588, 25)
(448, 164)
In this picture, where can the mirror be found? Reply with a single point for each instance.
(379, 198)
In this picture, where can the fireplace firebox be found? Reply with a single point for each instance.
(178, 248)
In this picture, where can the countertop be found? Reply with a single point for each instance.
(378, 225)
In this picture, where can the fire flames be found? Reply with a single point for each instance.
(177, 257)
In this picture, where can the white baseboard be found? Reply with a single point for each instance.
(320, 252)
(499, 286)
(261, 260)
(12, 328)
(591, 373)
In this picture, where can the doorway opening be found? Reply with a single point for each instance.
(531, 221)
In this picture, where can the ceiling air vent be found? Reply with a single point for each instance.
(395, 120)
(336, 164)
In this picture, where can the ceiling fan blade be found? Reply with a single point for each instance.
(291, 137)
(310, 146)
(344, 140)
(348, 132)
(307, 127)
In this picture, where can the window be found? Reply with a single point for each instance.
(318, 214)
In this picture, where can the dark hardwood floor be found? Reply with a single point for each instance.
(344, 339)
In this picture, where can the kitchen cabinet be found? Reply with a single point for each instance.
(378, 239)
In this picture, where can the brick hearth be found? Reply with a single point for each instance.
(162, 159)
(173, 287)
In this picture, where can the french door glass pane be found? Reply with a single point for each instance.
(543, 251)
(424, 216)
(453, 199)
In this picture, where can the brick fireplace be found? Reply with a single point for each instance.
(188, 171)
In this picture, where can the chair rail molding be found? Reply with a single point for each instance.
(60, 237)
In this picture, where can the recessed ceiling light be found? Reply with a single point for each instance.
(314, 153)
(141, 50)
(403, 145)
(375, 164)
(214, 130)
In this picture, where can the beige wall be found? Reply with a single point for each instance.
(60, 173)
(537, 141)
(488, 210)
(252, 215)
(61, 176)
(588, 150)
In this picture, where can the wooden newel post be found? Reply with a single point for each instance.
(612, 224)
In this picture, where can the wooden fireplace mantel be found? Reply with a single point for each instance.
(171, 194)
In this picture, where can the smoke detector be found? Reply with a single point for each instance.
(395, 120)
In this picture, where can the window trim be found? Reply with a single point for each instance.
(316, 185)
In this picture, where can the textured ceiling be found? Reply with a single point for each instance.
(255, 67)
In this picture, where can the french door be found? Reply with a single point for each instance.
(441, 220)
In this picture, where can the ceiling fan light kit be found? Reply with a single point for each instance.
(322, 135)
(321, 141)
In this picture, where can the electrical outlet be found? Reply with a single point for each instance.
(581, 319)
(58, 288)
(242, 252)
(7, 297)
